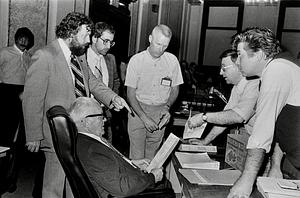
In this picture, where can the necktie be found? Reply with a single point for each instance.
(79, 83)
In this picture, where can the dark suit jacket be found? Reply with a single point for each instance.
(49, 82)
(114, 79)
(108, 171)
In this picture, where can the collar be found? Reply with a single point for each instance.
(151, 57)
(241, 85)
(66, 50)
(15, 46)
(94, 137)
(92, 54)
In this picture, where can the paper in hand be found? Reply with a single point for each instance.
(193, 133)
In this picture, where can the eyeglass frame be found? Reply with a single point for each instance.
(94, 115)
(223, 69)
(106, 41)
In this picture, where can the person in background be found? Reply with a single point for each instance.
(278, 106)
(104, 65)
(57, 76)
(14, 62)
(152, 79)
(240, 108)
(110, 172)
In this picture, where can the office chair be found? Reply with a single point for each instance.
(64, 137)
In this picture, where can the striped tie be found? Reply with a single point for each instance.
(79, 83)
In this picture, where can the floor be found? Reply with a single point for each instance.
(30, 163)
(27, 172)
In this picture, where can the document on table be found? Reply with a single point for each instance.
(211, 177)
(196, 161)
(163, 152)
(197, 148)
(3, 149)
(274, 187)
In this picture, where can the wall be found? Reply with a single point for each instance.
(40, 16)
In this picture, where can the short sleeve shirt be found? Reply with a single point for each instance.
(148, 76)
(280, 85)
(243, 100)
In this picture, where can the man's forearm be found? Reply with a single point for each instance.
(225, 117)
(215, 131)
(253, 163)
(173, 96)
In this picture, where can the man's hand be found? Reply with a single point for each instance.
(119, 103)
(33, 146)
(142, 163)
(195, 121)
(158, 174)
(150, 125)
(164, 119)
(241, 189)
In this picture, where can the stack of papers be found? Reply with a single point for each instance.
(197, 148)
(278, 188)
(211, 177)
(196, 161)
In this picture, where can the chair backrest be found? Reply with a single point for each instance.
(64, 137)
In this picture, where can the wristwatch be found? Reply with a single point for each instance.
(204, 117)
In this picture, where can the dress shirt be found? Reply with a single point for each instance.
(145, 73)
(280, 85)
(98, 65)
(67, 53)
(13, 65)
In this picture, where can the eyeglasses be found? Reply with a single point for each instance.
(224, 68)
(94, 115)
(107, 41)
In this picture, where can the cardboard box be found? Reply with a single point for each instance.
(236, 151)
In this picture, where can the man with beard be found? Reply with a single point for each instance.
(57, 76)
(104, 65)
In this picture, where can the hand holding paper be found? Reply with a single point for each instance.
(195, 121)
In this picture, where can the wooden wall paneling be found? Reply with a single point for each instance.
(171, 15)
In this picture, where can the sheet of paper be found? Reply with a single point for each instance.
(164, 152)
(3, 149)
(196, 161)
(193, 133)
(211, 177)
(270, 185)
(197, 148)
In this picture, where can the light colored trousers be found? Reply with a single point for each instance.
(55, 180)
(144, 144)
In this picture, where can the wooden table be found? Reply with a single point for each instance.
(202, 191)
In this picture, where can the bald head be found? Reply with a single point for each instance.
(87, 115)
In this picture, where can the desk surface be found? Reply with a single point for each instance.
(203, 191)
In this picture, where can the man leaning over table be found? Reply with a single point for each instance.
(153, 78)
(240, 107)
(278, 106)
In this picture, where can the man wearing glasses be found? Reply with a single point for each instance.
(240, 107)
(111, 173)
(103, 65)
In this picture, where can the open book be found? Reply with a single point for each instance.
(163, 152)
(211, 177)
(196, 161)
(275, 188)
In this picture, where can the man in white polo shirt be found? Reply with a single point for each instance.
(153, 78)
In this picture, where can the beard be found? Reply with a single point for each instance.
(78, 49)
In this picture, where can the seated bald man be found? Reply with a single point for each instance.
(109, 171)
